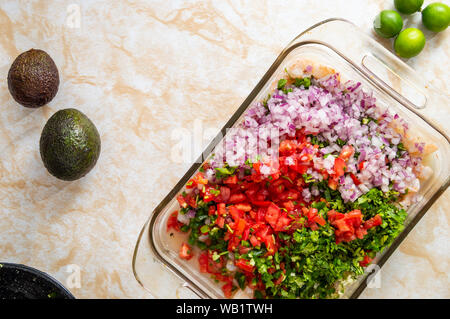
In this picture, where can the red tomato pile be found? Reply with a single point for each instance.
(350, 226)
(257, 207)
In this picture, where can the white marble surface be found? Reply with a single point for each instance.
(138, 69)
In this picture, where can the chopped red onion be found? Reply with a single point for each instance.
(332, 111)
(191, 213)
(184, 218)
(231, 266)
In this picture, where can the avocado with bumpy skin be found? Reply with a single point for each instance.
(33, 78)
(69, 145)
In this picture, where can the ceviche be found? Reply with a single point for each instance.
(313, 211)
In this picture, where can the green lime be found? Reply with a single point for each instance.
(388, 23)
(408, 6)
(436, 17)
(409, 43)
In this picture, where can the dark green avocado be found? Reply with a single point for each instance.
(69, 145)
(33, 78)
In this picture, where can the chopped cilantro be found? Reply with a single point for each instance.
(315, 140)
(281, 84)
(308, 178)
(305, 82)
(294, 259)
(214, 191)
(287, 178)
(265, 102)
(224, 171)
(340, 142)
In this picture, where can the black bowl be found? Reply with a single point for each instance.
(23, 282)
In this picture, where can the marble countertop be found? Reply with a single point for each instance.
(138, 69)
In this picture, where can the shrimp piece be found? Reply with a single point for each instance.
(302, 68)
(416, 147)
(408, 199)
(413, 144)
(305, 68)
(423, 172)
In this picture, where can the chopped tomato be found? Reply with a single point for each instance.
(311, 213)
(227, 290)
(231, 180)
(233, 242)
(270, 244)
(261, 213)
(205, 166)
(254, 241)
(235, 213)
(301, 167)
(333, 184)
(246, 232)
(287, 147)
(333, 215)
(221, 209)
(355, 179)
(290, 194)
(203, 262)
(360, 233)
(199, 178)
(186, 200)
(261, 203)
(339, 167)
(244, 265)
(182, 201)
(237, 198)
(208, 264)
(313, 218)
(320, 220)
(282, 223)
(240, 227)
(220, 221)
(292, 175)
(209, 193)
(191, 184)
(185, 251)
(342, 226)
(300, 135)
(366, 261)
(191, 201)
(272, 214)
(244, 250)
(372, 222)
(347, 152)
(264, 230)
(224, 195)
(279, 280)
(243, 207)
(223, 278)
(275, 176)
(173, 222)
(350, 226)
(289, 205)
(361, 165)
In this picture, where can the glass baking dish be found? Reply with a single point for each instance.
(338, 44)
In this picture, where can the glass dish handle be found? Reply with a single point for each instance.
(150, 273)
(382, 67)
